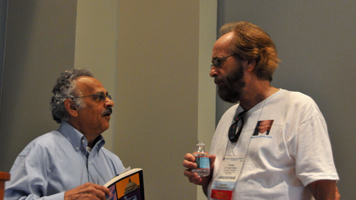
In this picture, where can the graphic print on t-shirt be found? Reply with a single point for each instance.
(263, 127)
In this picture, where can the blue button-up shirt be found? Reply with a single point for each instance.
(59, 161)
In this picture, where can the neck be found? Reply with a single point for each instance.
(88, 134)
(255, 93)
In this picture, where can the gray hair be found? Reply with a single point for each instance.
(228, 27)
(65, 88)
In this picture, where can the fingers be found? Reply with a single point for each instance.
(192, 176)
(189, 164)
(96, 191)
(189, 157)
(102, 191)
(189, 161)
(87, 191)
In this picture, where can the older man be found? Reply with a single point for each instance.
(293, 159)
(71, 162)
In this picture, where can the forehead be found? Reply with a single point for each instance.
(266, 122)
(221, 47)
(89, 85)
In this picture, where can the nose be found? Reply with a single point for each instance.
(213, 71)
(109, 103)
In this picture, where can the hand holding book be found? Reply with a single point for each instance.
(127, 186)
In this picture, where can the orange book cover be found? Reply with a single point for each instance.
(127, 186)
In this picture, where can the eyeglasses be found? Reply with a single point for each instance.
(217, 61)
(99, 96)
(239, 122)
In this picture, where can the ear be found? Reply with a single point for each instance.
(251, 64)
(70, 107)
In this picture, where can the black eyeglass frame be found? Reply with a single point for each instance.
(100, 96)
(233, 136)
(217, 61)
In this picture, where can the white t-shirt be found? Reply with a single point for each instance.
(281, 161)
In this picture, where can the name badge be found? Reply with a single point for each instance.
(228, 174)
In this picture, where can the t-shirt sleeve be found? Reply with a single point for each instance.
(314, 159)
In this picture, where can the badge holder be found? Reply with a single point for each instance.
(228, 173)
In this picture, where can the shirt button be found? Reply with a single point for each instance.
(77, 148)
(83, 141)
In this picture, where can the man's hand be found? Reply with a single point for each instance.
(87, 191)
(193, 177)
(324, 190)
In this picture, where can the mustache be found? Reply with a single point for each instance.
(107, 111)
(216, 80)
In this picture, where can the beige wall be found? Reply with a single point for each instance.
(164, 98)
(158, 89)
(96, 46)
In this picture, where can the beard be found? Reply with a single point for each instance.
(230, 87)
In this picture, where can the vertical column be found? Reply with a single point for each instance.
(207, 91)
(160, 88)
(96, 47)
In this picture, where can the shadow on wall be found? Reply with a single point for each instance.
(39, 45)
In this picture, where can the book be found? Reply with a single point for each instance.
(127, 186)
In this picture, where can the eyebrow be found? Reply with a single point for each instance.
(102, 92)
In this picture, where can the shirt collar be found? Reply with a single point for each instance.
(77, 139)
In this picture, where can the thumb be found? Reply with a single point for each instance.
(212, 160)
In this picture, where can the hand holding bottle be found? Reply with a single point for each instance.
(199, 165)
(202, 160)
(193, 177)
